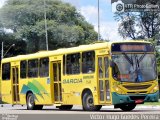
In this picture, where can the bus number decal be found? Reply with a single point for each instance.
(88, 77)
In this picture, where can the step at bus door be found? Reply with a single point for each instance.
(103, 78)
(57, 81)
(15, 85)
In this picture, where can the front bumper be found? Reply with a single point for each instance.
(123, 99)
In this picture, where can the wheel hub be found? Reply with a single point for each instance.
(90, 101)
(31, 101)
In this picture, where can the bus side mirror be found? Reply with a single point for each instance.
(112, 64)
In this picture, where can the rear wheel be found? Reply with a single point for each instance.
(31, 103)
(65, 107)
(127, 107)
(88, 102)
(39, 107)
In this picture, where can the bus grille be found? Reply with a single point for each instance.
(139, 87)
(141, 92)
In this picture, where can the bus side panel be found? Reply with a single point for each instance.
(22, 83)
(74, 85)
(6, 91)
(45, 92)
(40, 87)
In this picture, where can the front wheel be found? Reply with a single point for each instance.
(127, 107)
(88, 102)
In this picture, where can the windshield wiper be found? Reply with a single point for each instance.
(141, 58)
(138, 71)
(128, 59)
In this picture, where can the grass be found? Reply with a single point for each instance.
(152, 103)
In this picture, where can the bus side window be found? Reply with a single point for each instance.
(73, 64)
(106, 63)
(33, 68)
(64, 64)
(6, 69)
(68, 66)
(44, 67)
(23, 69)
(88, 62)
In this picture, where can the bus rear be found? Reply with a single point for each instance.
(134, 74)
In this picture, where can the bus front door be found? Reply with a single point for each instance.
(15, 84)
(103, 78)
(57, 82)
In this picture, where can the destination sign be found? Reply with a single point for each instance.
(132, 47)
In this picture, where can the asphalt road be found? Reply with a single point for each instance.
(18, 109)
(18, 112)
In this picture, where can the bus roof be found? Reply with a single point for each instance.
(40, 54)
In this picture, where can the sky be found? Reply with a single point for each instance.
(89, 9)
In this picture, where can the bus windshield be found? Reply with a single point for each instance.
(134, 67)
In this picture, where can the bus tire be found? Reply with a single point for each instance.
(127, 107)
(65, 107)
(88, 102)
(39, 107)
(30, 102)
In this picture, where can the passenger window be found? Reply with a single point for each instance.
(23, 69)
(44, 67)
(64, 65)
(73, 63)
(6, 69)
(88, 62)
(100, 67)
(33, 68)
(106, 64)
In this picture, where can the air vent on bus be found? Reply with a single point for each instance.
(131, 92)
(139, 87)
(141, 92)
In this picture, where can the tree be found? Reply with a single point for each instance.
(139, 25)
(127, 25)
(66, 27)
(8, 40)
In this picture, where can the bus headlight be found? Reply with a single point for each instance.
(155, 89)
(118, 90)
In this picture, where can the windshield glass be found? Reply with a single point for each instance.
(134, 67)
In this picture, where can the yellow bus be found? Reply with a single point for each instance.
(122, 74)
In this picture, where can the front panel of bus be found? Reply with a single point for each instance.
(134, 73)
